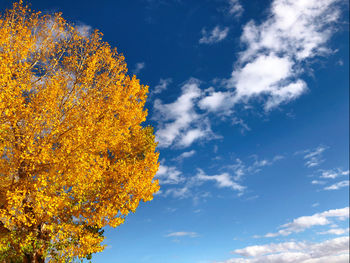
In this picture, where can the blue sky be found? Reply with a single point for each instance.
(250, 104)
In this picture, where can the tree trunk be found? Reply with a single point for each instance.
(39, 259)
(33, 258)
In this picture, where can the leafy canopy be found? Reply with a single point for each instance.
(74, 155)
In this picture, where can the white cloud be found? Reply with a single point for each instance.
(335, 231)
(317, 182)
(345, 172)
(182, 234)
(162, 85)
(214, 101)
(340, 62)
(334, 250)
(328, 174)
(286, 93)
(214, 36)
(271, 65)
(269, 69)
(218, 102)
(314, 157)
(304, 222)
(253, 251)
(261, 74)
(192, 135)
(338, 185)
(235, 8)
(222, 180)
(179, 123)
(342, 213)
(185, 155)
(266, 75)
(138, 67)
(298, 29)
(332, 174)
(169, 175)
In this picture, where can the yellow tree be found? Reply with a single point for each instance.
(74, 154)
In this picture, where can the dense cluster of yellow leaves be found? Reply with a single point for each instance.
(74, 154)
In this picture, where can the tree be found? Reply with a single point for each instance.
(74, 154)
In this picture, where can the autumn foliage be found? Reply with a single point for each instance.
(74, 154)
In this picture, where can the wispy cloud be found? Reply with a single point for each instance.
(83, 29)
(235, 8)
(334, 173)
(241, 124)
(222, 180)
(241, 169)
(182, 234)
(185, 155)
(238, 168)
(335, 231)
(138, 67)
(190, 188)
(314, 157)
(334, 250)
(275, 54)
(170, 209)
(179, 192)
(162, 85)
(338, 185)
(317, 182)
(229, 176)
(329, 174)
(216, 35)
(302, 223)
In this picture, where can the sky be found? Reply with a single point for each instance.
(250, 104)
